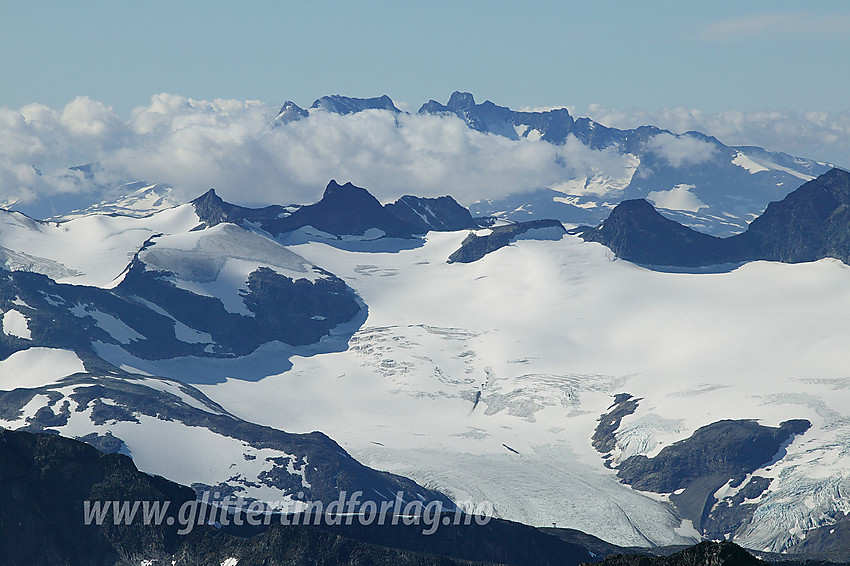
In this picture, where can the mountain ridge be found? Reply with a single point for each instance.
(809, 224)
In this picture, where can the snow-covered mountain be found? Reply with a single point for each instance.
(534, 370)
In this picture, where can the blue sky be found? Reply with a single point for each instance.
(710, 56)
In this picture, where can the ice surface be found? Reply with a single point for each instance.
(113, 326)
(742, 160)
(91, 250)
(543, 334)
(486, 380)
(35, 367)
(15, 323)
(679, 197)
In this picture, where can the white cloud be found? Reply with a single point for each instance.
(682, 150)
(226, 144)
(194, 145)
(816, 135)
(775, 24)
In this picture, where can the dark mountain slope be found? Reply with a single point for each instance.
(637, 232)
(212, 211)
(474, 247)
(442, 214)
(811, 223)
(47, 479)
(703, 554)
(344, 210)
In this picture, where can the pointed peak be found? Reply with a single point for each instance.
(209, 196)
(290, 112)
(348, 191)
(289, 105)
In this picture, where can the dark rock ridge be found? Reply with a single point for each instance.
(703, 554)
(829, 542)
(604, 440)
(811, 223)
(441, 214)
(213, 210)
(474, 247)
(296, 312)
(716, 454)
(344, 210)
(636, 232)
(47, 479)
(347, 105)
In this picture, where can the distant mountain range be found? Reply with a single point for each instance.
(690, 177)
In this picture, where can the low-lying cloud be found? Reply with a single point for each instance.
(823, 136)
(683, 150)
(231, 146)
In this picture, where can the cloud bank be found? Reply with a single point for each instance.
(230, 145)
(823, 136)
(774, 24)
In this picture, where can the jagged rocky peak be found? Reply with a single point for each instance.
(349, 193)
(212, 209)
(339, 104)
(344, 210)
(442, 214)
(208, 197)
(458, 102)
(290, 112)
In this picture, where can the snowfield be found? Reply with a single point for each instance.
(543, 334)
(89, 250)
(484, 380)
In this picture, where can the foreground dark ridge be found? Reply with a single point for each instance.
(809, 224)
(47, 478)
